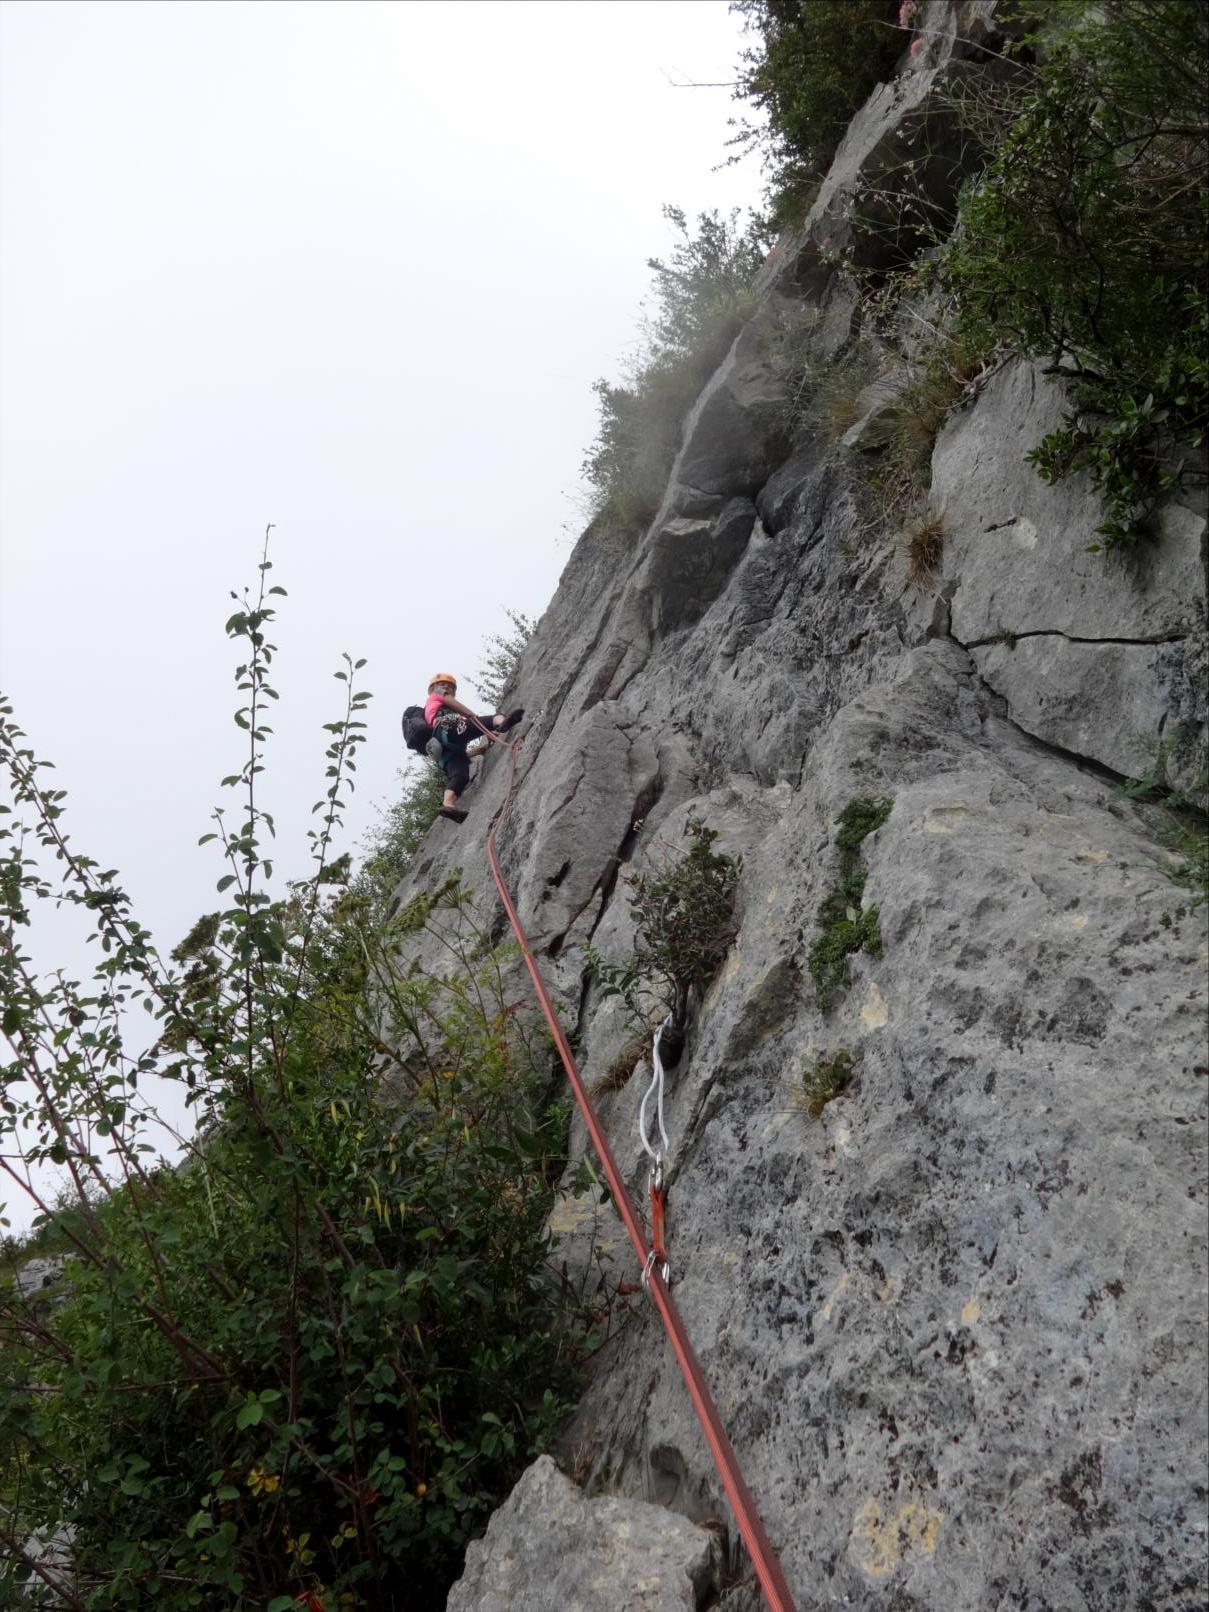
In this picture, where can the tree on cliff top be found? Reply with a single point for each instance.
(812, 64)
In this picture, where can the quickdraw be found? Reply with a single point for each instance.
(652, 1259)
(656, 1187)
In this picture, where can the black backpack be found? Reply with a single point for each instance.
(416, 732)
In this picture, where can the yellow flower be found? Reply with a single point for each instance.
(262, 1482)
(421, 1490)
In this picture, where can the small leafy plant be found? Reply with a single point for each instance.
(1188, 819)
(826, 1078)
(845, 926)
(685, 924)
(501, 657)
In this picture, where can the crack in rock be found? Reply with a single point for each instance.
(1071, 638)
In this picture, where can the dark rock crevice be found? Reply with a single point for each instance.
(999, 706)
(1010, 638)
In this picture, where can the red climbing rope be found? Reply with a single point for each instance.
(764, 1559)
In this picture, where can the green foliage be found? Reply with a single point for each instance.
(701, 297)
(826, 1078)
(902, 476)
(1190, 841)
(311, 1358)
(685, 926)
(846, 926)
(501, 658)
(1084, 244)
(1188, 816)
(813, 64)
(392, 845)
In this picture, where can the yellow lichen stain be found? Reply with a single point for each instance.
(727, 972)
(884, 1539)
(971, 1311)
(836, 1292)
(1088, 855)
(945, 819)
(568, 1213)
(888, 1291)
(1079, 921)
(772, 895)
(874, 1013)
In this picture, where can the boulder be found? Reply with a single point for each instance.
(551, 1549)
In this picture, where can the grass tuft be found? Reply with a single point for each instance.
(925, 548)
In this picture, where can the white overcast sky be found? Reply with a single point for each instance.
(347, 267)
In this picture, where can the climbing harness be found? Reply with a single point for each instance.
(655, 1185)
(653, 1260)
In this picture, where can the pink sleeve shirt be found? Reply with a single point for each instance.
(432, 705)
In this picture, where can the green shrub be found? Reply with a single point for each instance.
(310, 1359)
(845, 926)
(501, 658)
(701, 298)
(1084, 244)
(1187, 829)
(685, 926)
(813, 64)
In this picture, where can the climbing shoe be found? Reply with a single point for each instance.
(455, 814)
(512, 719)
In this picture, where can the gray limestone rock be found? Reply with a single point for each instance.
(586, 813)
(960, 1361)
(36, 1275)
(690, 560)
(550, 1549)
(876, 412)
(735, 436)
(1104, 700)
(1090, 654)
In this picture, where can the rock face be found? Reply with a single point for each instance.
(551, 1547)
(956, 1325)
(1111, 658)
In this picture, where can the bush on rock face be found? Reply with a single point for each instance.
(813, 64)
(1084, 244)
(701, 297)
(684, 918)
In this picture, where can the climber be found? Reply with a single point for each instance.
(453, 727)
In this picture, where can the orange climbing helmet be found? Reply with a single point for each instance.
(442, 677)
